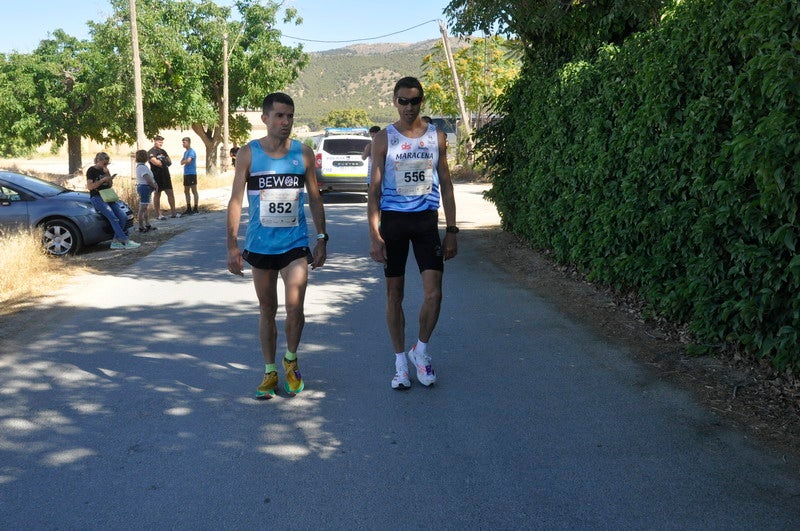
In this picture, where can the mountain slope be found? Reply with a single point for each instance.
(361, 76)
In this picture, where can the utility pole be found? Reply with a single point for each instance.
(465, 118)
(141, 140)
(225, 127)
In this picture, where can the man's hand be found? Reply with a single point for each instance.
(320, 254)
(235, 262)
(449, 246)
(377, 249)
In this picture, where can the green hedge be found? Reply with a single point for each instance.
(670, 166)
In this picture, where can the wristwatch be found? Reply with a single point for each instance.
(323, 236)
(452, 229)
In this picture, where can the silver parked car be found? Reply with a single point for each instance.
(67, 219)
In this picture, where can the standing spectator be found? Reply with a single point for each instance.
(145, 186)
(189, 163)
(277, 173)
(159, 165)
(99, 178)
(365, 155)
(234, 151)
(410, 177)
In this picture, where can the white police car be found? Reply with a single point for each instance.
(340, 167)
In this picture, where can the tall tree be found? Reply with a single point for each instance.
(49, 96)
(181, 53)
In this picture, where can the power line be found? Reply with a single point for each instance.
(365, 39)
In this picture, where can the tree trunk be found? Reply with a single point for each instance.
(74, 152)
(211, 139)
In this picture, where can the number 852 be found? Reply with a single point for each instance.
(280, 208)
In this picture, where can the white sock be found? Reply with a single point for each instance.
(421, 348)
(400, 362)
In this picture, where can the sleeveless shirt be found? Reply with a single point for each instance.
(410, 181)
(276, 196)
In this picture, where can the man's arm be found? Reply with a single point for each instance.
(153, 160)
(450, 243)
(377, 248)
(316, 207)
(235, 262)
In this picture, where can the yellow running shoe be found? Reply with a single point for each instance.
(268, 385)
(294, 381)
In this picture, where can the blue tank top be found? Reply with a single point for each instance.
(410, 180)
(276, 197)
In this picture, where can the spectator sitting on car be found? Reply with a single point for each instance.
(99, 178)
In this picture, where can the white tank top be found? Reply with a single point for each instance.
(410, 180)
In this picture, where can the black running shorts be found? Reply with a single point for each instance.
(421, 229)
(276, 261)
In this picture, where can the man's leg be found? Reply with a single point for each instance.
(431, 303)
(157, 203)
(295, 280)
(265, 282)
(188, 199)
(196, 197)
(395, 318)
(171, 200)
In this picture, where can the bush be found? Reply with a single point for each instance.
(670, 165)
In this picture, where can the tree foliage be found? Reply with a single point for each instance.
(51, 95)
(486, 69)
(181, 45)
(556, 31)
(346, 118)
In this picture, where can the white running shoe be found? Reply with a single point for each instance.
(401, 380)
(425, 374)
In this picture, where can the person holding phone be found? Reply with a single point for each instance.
(99, 178)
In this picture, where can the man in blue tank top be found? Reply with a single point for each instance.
(278, 175)
(409, 178)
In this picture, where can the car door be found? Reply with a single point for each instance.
(13, 208)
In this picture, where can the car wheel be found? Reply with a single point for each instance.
(60, 237)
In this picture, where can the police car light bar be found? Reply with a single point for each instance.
(329, 131)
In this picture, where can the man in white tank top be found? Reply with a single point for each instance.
(409, 177)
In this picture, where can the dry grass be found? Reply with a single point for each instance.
(28, 271)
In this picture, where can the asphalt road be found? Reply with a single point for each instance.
(135, 410)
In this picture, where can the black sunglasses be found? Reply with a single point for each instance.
(412, 101)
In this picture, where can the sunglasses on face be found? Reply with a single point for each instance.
(413, 101)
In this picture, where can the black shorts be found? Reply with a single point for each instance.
(164, 183)
(276, 261)
(421, 229)
(190, 180)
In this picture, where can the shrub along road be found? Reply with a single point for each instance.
(132, 405)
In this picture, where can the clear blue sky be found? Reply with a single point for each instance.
(23, 24)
